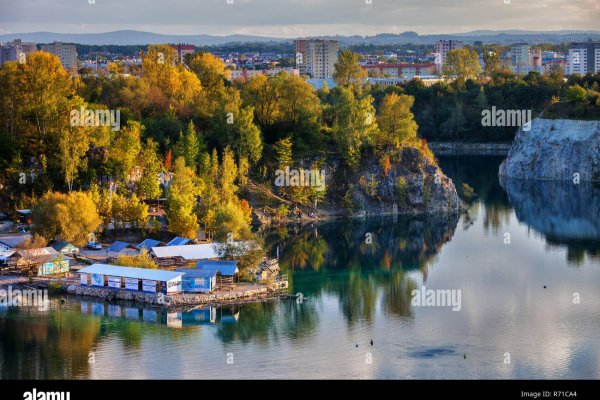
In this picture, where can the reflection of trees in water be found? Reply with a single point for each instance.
(36, 345)
(568, 215)
(270, 321)
(363, 261)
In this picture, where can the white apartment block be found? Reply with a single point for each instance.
(66, 52)
(583, 58)
(316, 57)
(520, 55)
(16, 51)
(442, 47)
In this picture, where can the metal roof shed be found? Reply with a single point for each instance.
(148, 244)
(188, 252)
(225, 267)
(178, 241)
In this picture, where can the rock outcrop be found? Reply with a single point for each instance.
(413, 183)
(555, 149)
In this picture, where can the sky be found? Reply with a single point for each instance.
(293, 18)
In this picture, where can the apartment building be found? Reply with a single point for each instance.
(583, 58)
(316, 57)
(14, 51)
(67, 53)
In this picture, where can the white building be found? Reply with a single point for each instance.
(583, 58)
(442, 47)
(250, 73)
(519, 55)
(316, 57)
(15, 51)
(66, 52)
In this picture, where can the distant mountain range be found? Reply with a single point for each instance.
(130, 37)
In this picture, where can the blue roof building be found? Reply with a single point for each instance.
(117, 246)
(148, 244)
(178, 241)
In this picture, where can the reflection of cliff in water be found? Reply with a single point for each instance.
(567, 214)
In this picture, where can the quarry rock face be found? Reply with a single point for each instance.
(555, 149)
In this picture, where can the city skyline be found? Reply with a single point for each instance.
(293, 18)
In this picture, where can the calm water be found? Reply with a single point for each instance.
(358, 276)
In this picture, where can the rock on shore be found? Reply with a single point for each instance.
(555, 149)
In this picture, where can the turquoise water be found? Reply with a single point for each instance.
(357, 276)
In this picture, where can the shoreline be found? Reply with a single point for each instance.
(246, 293)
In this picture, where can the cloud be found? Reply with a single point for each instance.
(296, 17)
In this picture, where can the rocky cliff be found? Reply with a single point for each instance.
(555, 149)
(413, 183)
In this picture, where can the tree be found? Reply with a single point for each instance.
(211, 71)
(227, 177)
(192, 147)
(396, 122)
(347, 70)
(491, 62)
(283, 152)
(181, 201)
(462, 64)
(576, 94)
(124, 149)
(354, 125)
(148, 187)
(71, 217)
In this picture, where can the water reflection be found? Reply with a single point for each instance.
(363, 262)
(565, 213)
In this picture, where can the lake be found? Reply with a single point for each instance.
(524, 260)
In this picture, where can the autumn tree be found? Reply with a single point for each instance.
(71, 217)
(396, 122)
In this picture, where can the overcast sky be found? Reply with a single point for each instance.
(291, 18)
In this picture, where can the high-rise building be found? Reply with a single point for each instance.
(583, 57)
(316, 57)
(519, 55)
(13, 51)
(442, 47)
(66, 52)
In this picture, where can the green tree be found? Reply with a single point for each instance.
(462, 64)
(354, 125)
(148, 187)
(347, 70)
(181, 201)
